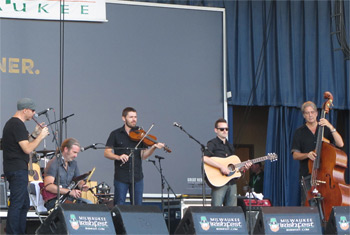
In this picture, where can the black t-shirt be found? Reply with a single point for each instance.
(217, 148)
(120, 140)
(305, 141)
(14, 158)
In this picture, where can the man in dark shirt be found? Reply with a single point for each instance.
(220, 147)
(305, 138)
(17, 145)
(118, 148)
(256, 179)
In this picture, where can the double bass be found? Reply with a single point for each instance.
(328, 186)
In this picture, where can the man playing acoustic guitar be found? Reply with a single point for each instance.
(220, 147)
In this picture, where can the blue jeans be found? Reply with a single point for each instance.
(19, 202)
(225, 195)
(121, 189)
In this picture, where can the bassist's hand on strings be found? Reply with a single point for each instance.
(325, 122)
(312, 155)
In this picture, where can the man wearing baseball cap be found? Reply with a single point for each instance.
(17, 144)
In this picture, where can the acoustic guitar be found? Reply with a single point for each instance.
(216, 179)
(34, 173)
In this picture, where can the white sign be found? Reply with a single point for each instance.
(71, 10)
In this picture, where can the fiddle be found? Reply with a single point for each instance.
(148, 140)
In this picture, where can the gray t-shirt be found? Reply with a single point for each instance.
(66, 176)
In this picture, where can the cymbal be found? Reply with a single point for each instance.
(45, 151)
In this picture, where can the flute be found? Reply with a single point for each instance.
(37, 122)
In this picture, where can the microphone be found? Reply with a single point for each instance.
(177, 125)
(88, 147)
(149, 160)
(43, 112)
(159, 157)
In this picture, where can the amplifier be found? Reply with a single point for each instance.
(254, 203)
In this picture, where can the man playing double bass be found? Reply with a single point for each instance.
(305, 138)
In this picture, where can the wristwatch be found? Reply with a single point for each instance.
(334, 130)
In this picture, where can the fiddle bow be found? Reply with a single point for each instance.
(147, 139)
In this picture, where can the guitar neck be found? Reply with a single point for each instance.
(255, 160)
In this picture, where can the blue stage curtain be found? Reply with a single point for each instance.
(281, 53)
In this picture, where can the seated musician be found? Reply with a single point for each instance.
(68, 169)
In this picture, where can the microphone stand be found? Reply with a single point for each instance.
(203, 149)
(64, 118)
(163, 179)
(250, 210)
(59, 156)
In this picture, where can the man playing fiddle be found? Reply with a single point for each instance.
(118, 148)
(305, 138)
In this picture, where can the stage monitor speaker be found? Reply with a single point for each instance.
(129, 219)
(339, 221)
(3, 194)
(172, 212)
(251, 217)
(212, 220)
(78, 219)
(288, 220)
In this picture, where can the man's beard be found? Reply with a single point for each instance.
(128, 124)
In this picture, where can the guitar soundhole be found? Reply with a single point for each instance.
(231, 167)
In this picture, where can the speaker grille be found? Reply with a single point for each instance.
(138, 220)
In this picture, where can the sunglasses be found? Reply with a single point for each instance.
(222, 129)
